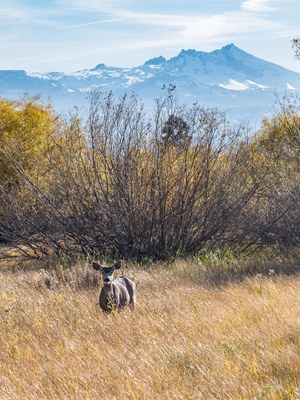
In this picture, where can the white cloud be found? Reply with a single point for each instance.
(257, 5)
(203, 26)
(12, 11)
(232, 23)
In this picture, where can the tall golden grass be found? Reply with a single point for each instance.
(185, 340)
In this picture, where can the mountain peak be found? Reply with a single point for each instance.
(228, 50)
(232, 50)
(100, 67)
(190, 52)
(229, 47)
(156, 61)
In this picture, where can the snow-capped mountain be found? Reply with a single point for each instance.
(229, 78)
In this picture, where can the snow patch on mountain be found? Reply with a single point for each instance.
(38, 75)
(254, 84)
(290, 87)
(234, 85)
(238, 86)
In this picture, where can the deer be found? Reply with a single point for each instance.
(115, 293)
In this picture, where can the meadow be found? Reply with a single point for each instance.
(194, 335)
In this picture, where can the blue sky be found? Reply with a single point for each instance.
(68, 35)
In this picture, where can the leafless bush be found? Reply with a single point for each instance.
(117, 187)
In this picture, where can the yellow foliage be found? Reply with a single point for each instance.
(274, 147)
(276, 134)
(25, 126)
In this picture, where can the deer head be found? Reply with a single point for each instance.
(107, 272)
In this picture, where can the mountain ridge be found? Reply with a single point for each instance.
(226, 78)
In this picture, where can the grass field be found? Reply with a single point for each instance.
(185, 340)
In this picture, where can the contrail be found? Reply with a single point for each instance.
(99, 22)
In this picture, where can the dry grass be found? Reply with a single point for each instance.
(184, 341)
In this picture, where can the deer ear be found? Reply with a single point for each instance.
(96, 266)
(117, 265)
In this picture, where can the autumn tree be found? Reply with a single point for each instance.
(27, 131)
(25, 127)
(274, 217)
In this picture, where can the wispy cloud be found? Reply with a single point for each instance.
(90, 5)
(13, 11)
(231, 23)
(203, 26)
(257, 5)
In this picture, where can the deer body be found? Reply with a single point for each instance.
(115, 293)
